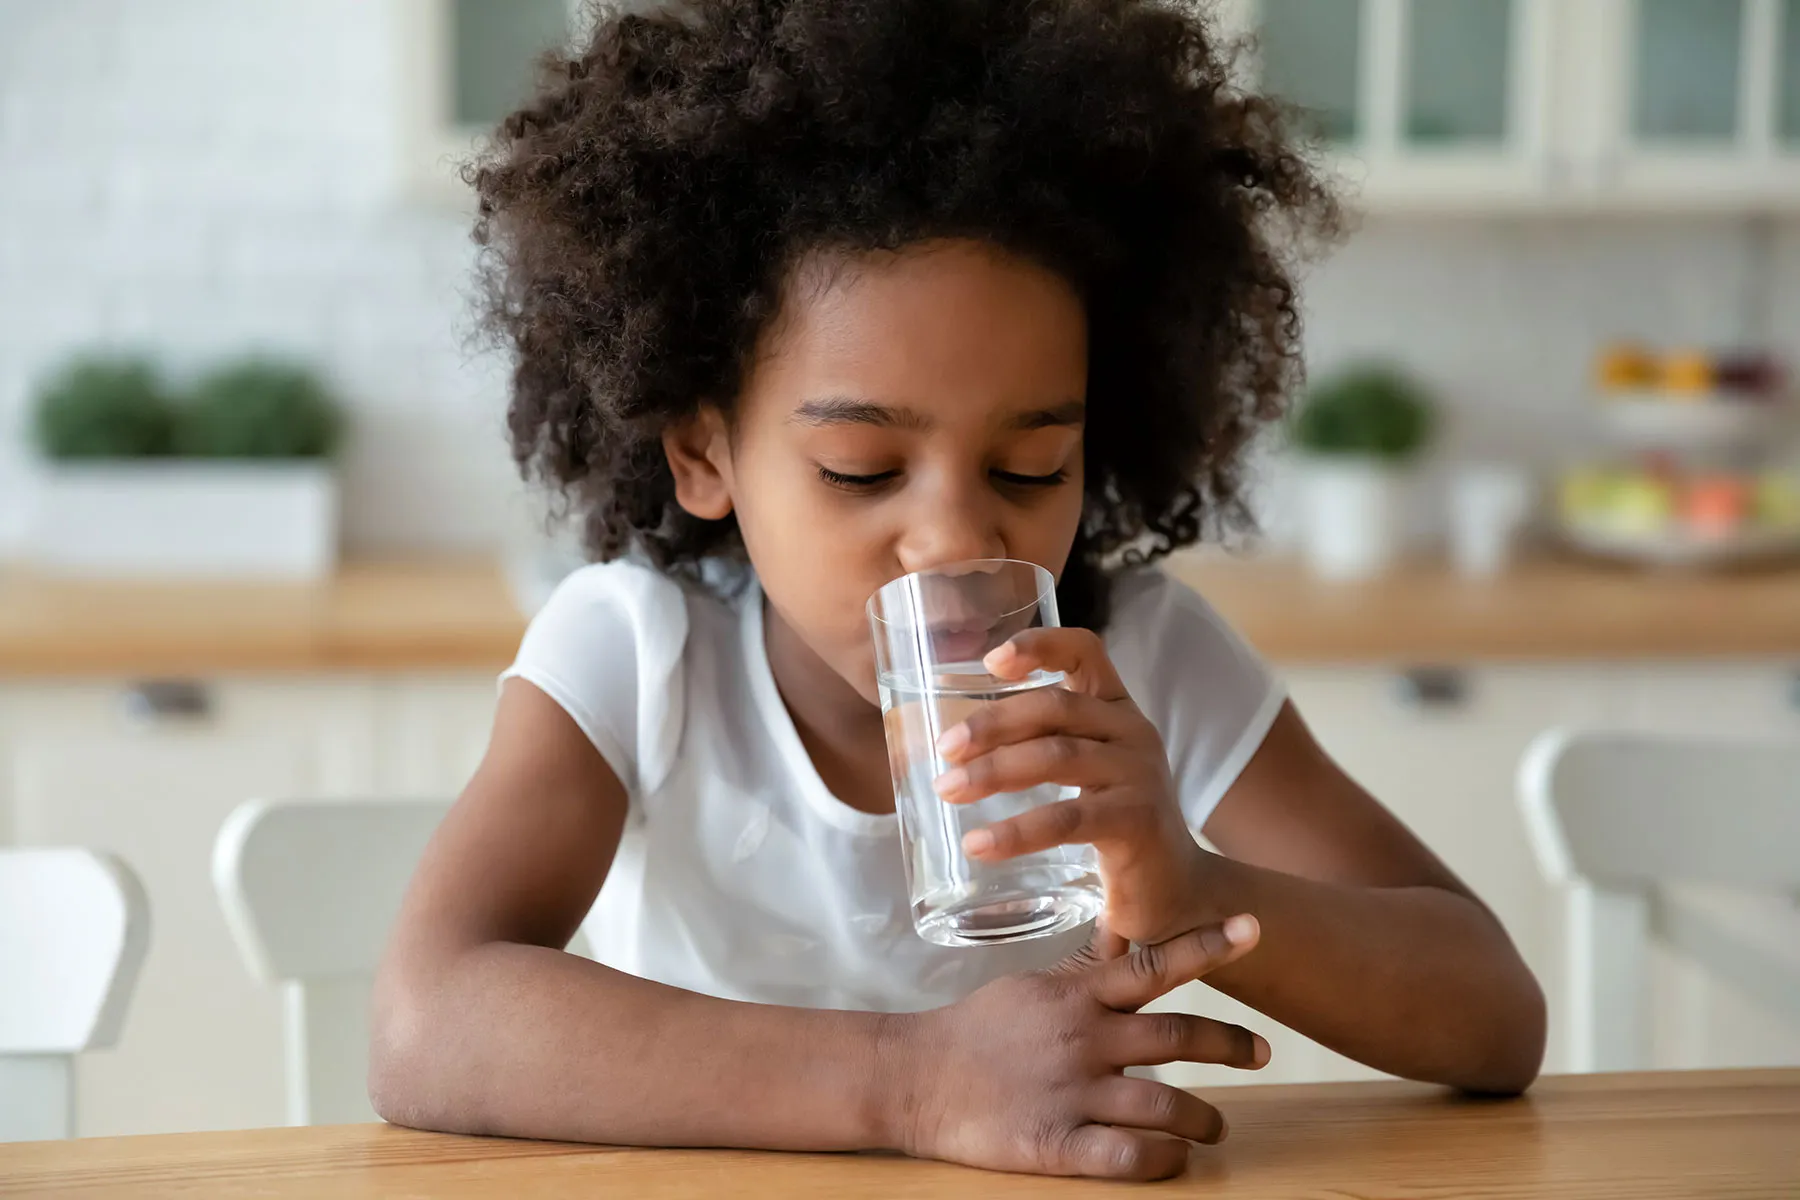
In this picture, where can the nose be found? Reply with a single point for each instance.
(949, 524)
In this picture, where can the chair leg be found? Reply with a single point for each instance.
(327, 1034)
(37, 1097)
(1608, 980)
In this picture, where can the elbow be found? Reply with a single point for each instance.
(399, 1079)
(1515, 1051)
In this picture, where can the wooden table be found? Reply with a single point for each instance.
(1635, 1137)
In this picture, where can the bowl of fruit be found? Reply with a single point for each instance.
(1658, 514)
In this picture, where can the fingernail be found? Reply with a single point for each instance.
(953, 741)
(998, 655)
(951, 781)
(1241, 929)
(977, 841)
(1259, 1050)
(1224, 1127)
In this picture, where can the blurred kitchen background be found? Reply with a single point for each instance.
(1545, 474)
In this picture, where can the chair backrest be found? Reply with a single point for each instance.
(74, 926)
(310, 889)
(1627, 824)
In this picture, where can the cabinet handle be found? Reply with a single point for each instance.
(1432, 687)
(159, 700)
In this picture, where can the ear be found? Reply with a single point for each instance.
(699, 453)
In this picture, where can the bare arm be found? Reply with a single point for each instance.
(484, 1025)
(1370, 944)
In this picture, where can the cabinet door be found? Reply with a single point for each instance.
(466, 65)
(1446, 767)
(1430, 103)
(1703, 103)
(433, 731)
(201, 1047)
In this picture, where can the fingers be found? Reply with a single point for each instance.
(1067, 822)
(1146, 1104)
(1071, 761)
(1152, 1039)
(1038, 713)
(1077, 653)
(1106, 945)
(1129, 983)
(1103, 1152)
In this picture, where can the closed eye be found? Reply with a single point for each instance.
(1050, 480)
(855, 482)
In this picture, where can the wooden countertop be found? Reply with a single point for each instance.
(370, 616)
(1543, 610)
(1635, 1137)
(444, 615)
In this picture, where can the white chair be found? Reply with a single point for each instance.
(74, 926)
(1696, 842)
(310, 890)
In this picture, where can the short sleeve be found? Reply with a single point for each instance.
(1207, 692)
(607, 647)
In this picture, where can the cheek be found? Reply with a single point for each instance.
(819, 563)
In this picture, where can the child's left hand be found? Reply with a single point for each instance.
(1087, 735)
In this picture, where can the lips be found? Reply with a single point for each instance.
(964, 644)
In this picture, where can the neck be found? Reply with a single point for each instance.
(841, 730)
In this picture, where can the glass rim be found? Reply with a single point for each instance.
(1044, 575)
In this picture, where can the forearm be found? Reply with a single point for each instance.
(1417, 981)
(530, 1042)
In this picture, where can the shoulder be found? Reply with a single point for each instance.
(607, 646)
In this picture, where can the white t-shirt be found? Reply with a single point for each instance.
(739, 874)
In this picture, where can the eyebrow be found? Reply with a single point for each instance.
(845, 410)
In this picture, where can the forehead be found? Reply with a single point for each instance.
(957, 329)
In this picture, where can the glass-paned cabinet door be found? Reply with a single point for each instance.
(1457, 62)
(1788, 67)
(493, 46)
(469, 63)
(1710, 107)
(1429, 101)
(1310, 53)
(1688, 70)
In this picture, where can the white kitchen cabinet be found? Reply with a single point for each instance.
(1486, 106)
(433, 731)
(1429, 104)
(201, 1046)
(1447, 767)
(465, 64)
(1692, 104)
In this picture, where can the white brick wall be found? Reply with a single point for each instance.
(197, 176)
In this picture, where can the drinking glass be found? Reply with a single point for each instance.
(932, 629)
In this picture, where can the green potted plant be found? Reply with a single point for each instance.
(231, 477)
(1358, 433)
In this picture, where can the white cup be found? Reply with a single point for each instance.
(1488, 506)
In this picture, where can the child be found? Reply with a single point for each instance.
(805, 295)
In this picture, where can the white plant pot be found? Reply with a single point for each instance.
(1353, 519)
(186, 519)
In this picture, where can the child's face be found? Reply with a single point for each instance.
(907, 411)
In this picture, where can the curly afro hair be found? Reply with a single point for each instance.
(640, 216)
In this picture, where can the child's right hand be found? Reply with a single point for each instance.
(1026, 1074)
